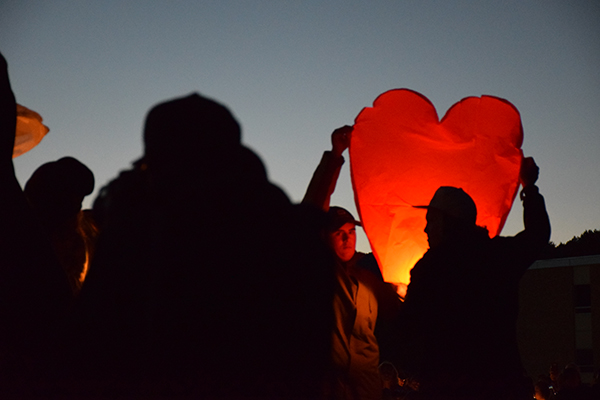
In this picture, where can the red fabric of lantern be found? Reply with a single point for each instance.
(401, 153)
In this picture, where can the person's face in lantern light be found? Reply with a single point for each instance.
(434, 228)
(343, 241)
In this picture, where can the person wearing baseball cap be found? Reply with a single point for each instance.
(450, 210)
(361, 295)
(341, 227)
(461, 306)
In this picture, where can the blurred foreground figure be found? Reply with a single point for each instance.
(361, 295)
(55, 192)
(571, 387)
(34, 292)
(461, 307)
(206, 282)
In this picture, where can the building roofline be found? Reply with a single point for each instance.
(566, 262)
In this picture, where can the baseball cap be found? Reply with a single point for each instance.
(454, 202)
(338, 216)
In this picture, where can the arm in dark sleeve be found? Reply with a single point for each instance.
(12, 201)
(8, 122)
(535, 217)
(528, 244)
(323, 181)
(34, 291)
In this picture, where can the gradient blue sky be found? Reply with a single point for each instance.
(291, 72)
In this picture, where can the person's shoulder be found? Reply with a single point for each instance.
(364, 267)
(127, 192)
(367, 264)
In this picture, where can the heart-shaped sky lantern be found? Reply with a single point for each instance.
(400, 154)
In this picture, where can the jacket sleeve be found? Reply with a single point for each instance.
(34, 292)
(8, 122)
(527, 245)
(323, 181)
(535, 218)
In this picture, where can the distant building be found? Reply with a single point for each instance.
(559, 320)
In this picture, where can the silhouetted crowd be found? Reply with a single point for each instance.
(195, 277)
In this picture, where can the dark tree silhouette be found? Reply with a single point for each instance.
(586, 244)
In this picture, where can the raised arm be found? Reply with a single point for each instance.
(537, 224)
(8, 120)
(324, 179)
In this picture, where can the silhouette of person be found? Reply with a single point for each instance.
(460, 311)
(55, 192)
(571, 387)
(361, 295)
(202, 264)
(34, 292)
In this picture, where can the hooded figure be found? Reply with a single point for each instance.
(55, 192)
(203, 266)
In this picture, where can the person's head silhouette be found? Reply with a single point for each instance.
(56, 189)
(186, 128)
(450, 212)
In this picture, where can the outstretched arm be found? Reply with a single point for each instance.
(34, 292)
(537, 224)
(322, 184)
(12, 196)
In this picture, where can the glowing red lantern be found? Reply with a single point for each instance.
(400, 153)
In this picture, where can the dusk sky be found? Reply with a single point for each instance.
(292, 72)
